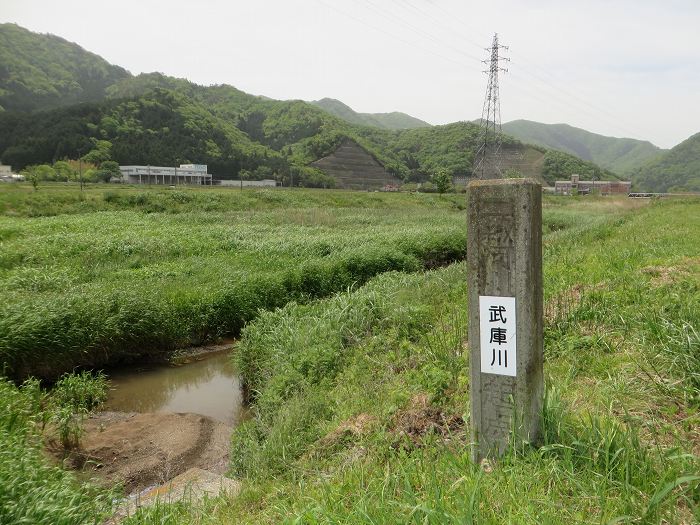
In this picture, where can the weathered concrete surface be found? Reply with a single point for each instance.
(504, 254)
(190, 486)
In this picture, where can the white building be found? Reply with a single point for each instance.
(6, 174)
(265, 183)
(185, 174)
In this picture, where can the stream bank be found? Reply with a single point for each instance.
(138, 451)
(160, 420)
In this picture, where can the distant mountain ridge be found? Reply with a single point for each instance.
(621, 155)
(394, 120)
(678, 169)
(160, 120)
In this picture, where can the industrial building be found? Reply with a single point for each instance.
(584, 187)
(195, 174)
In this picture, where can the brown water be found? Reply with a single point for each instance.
(209, 386)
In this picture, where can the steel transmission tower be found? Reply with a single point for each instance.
(487, 162)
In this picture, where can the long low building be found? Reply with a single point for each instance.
(584, 187)
(264, 183)
(186, 174)
(6, 174)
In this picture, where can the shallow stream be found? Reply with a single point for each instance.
(207, 386)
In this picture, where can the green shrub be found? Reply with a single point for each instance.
(111, 196)
(80, 392)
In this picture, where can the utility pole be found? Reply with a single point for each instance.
(80, 170)
(487, 160)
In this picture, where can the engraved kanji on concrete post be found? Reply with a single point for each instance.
(504, 253)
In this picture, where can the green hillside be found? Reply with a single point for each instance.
(46, 71)
(676, 170)
(238, 134)
(159, 120)
(265, 138)
(161, 128)
(616, 154)
(393, 120)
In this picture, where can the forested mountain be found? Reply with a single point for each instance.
(159, 120)
(616, 154)
(46, 71)
(676, 170)
(394, 120)
(161, 127)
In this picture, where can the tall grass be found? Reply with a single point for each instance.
(610, 453)
(361, 399)
(58, 199)
(92, 289)
(290, 357)
(32, 490)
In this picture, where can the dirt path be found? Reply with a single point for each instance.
(142, 450)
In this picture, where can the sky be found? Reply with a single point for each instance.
(624, 68)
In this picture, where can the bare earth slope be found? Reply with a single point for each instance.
(143, 450)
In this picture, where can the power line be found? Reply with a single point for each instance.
(580, 102)
(558, 95)
(577, 101)
(429, 15)
(404, 41)
(392, 17)
(380, 30)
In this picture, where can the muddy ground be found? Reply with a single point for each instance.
(142, 450)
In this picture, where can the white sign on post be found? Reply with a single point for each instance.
(497, 326)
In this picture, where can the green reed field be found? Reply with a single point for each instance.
(359, 379)
(361, 400)
(123, 274)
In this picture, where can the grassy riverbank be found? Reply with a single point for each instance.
(124, 274)
(31, 489)
(361, 400)
(361, 397)
(158, 270)
(20, 200)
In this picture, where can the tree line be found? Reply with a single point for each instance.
(237, 138)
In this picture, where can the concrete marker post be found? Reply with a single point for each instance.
(504, 255)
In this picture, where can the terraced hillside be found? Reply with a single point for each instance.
(355, 169)
(526, 160)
